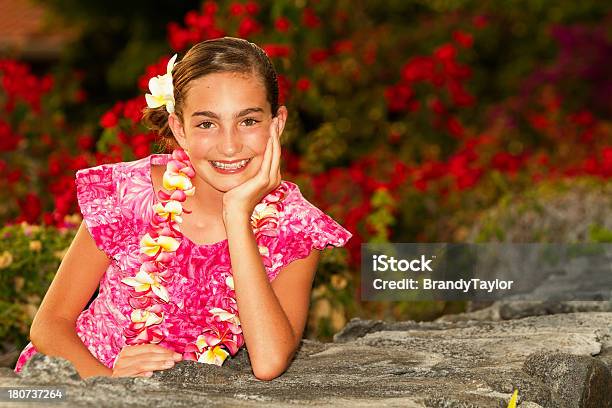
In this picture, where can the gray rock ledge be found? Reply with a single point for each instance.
(554, 361)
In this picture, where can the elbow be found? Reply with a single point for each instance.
(269, 370)
(35, 336)
(267, 373)
(273, 364)
(40, 330)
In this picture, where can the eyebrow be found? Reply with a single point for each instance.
(215, 116)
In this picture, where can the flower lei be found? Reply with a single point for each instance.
(157, 249)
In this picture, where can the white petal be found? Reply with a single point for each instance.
(170, 106)
(144, 277)
(153, 102)
(155, 86)
(170, 65)
(161, 292)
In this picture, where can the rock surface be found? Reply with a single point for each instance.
(553, 360)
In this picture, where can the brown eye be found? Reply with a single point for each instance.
(252, 121)
(205, 125)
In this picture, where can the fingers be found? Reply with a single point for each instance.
(264, 170)
(149, 365)
(147, 348)
(276, 155)
(140, 365)
(141, 360)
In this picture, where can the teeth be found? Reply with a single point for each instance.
(230, 166)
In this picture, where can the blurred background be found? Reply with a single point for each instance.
(409, 121)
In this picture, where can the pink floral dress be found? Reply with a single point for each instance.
(116, 202)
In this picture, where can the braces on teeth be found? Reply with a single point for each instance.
(230, 166)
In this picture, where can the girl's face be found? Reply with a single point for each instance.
(226, 118)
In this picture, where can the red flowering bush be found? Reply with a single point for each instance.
(39, 151)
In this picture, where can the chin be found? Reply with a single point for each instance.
(224, 185)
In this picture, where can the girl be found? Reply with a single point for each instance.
(180, 243)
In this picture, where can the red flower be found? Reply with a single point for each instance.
(318, 55)
(399, 98)
(247, 27)
(480, 21)
(282, 24)
(455, 127)
(133, 109)
(209, 7)
(276, 50)
(85, 142)
(8, 140)
(606, 165)
(109, 120)
(582, 118)
(437, 106)
(417, 69)
(310, 19)
(466, 40)
(303, 84)
(459, 95)
(506, 162)
(538, 121)
(178, 38)
(30, 207)
(445, 52)
(236, 9)
(14, 176)
(79, 162)
(342, 46)
(283, 88)
(251, 7)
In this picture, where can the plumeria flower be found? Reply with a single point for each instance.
(225, 316)
(162, 89)
(214, 355)
(212, 337)
(150, 245)
(144, 335)
(172, 208)
(143, 281)
(173, 181)
(146, 317)
(229, 281)
(262, 211)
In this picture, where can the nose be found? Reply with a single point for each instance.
(230, 144)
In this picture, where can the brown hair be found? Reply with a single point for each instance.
(227, 54)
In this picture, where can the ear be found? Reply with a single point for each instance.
(281, 117)
(177, 129)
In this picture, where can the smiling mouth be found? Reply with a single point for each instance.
(230, 166)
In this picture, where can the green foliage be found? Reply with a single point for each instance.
(29, 258)
(574, 211)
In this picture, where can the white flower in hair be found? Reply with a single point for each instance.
(162, 90)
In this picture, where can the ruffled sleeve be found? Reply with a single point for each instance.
(304, 227)
(97, 199)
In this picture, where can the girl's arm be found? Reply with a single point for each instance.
(53, 330)
(272, 315)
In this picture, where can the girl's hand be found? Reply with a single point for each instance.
(243, 198)
(142, 359)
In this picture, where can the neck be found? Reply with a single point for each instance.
(207, 201)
